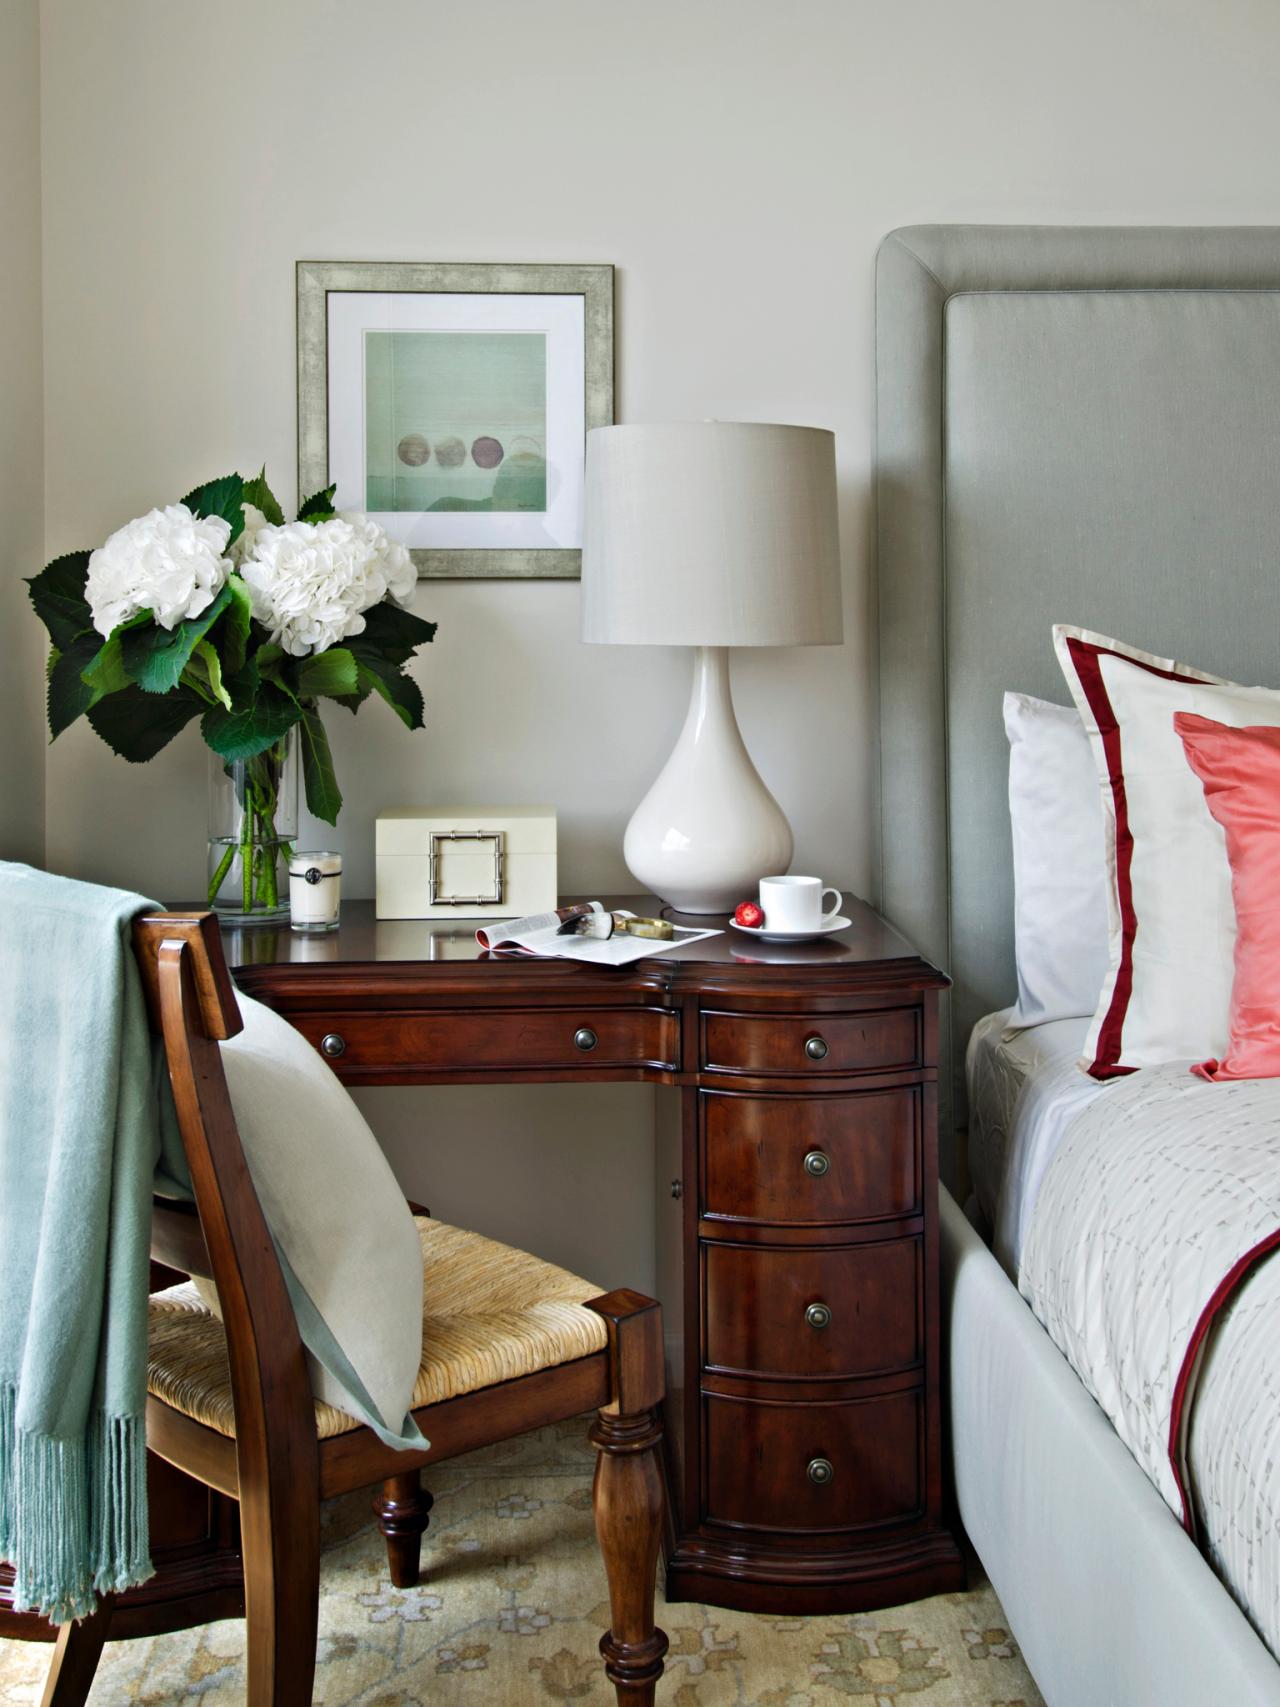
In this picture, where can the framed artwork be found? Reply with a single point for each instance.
(452, 403)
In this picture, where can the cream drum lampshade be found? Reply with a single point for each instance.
(710, 534)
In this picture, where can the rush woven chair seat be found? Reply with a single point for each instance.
(490, 1314)
(510, 1343)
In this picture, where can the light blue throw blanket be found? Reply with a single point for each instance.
(86, 1129)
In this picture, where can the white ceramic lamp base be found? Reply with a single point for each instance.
(708, 830)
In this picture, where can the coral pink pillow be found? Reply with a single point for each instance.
(1240, 770)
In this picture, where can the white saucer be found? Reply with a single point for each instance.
(837, 924)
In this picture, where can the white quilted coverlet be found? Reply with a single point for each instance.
(1148, 1261)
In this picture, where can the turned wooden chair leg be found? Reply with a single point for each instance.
(281, 1596)
(628, 1495)
(403, 1509)
(628, 1502)
(75, 1659)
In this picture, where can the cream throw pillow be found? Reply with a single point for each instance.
(345, 1235)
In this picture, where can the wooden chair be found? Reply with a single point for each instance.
(277, 1464)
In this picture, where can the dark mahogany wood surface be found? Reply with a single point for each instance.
(869, 945)
(755, 1147)
(861, 1042)
(759, 1457)
(798, 1139)
(814, 1314)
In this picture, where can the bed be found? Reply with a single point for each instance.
(1071, 424)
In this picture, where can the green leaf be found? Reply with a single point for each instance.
(324, 799)
(353, 701)
(243, 733)
(319, 507)
(207, 666)
(223, 498)
(391, 633)
(260, 495)
(332, 673)
(235, 630)
(155, 657)
(401, 692)
(106, 672)
(138, 725)
(269, 661)
(57, 593)
(69, 695)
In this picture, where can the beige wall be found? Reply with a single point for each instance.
(738, 160)
(21, 436)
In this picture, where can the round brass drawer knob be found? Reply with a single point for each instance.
(816, 1048)
(584, 1038)
(818, 1315)
(332, 1044)
(820, 1471)
(817, 1163)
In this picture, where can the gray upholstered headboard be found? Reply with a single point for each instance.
(1073, 425)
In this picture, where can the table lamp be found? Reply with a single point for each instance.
(710, 534)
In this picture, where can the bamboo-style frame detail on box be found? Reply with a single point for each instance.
(436, 896)
(315, 279)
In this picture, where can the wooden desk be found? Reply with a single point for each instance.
(796, 1231)
(796, 1220)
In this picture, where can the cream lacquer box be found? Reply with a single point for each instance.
(465, 862)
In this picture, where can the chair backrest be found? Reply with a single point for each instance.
(192, 1005)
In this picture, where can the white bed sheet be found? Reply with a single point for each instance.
(1105, 1591)
(1164, 1199)
(1025, 1089)
(1031, 1106)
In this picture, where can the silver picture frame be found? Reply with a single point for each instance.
(317, 281)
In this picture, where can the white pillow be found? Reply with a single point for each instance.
(1059, 863)
(1172, 923)
(344, 1233)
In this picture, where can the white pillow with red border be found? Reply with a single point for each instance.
(1171, 935)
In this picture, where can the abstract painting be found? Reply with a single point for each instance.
(455, 421)
(452, 403)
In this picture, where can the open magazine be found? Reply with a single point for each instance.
(586, 931)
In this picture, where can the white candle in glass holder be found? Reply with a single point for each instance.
(315, 884)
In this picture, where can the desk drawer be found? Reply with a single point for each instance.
(815, 1466)
(873, 1042)
(810, 1313)
(813, 1160)
(495, 1040)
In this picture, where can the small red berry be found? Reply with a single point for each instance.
(750, 915)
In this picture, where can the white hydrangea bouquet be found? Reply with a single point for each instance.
(218, 608)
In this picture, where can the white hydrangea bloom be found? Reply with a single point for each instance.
(254, 522)
(169, 562)
(390, 559)
(312, 582)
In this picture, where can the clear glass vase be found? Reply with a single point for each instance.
(253, 823)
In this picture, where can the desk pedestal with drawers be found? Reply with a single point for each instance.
(797, 1206)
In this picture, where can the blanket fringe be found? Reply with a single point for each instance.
(73, 1513)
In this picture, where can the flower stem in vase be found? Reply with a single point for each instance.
(246, 860)
(219, 876)
(266, 856)
(253, 816)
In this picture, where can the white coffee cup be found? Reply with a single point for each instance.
(795, 904)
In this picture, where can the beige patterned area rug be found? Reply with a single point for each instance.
(513, 1604)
